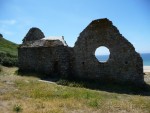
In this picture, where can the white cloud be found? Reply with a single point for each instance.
(8, 22)
(6, 32)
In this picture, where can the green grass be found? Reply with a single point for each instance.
(8, 47)
(17, 108)
(27, 94)
(8, 53)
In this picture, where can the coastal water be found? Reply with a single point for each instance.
(145, 57)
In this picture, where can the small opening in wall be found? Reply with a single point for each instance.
(83, 63)
(126, 62)
(102, 54)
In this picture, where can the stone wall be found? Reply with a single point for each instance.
(33, 34)
(124, 64)
(48, 60)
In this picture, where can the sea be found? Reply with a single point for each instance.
(145, 57)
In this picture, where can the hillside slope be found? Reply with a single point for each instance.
(8, 52)
(8, 47)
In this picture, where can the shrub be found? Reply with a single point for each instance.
(70, 83)
(63, 82)
(17, 108)
(7, 59)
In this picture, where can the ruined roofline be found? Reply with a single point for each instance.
(52, 38)
(35, 38)
(102, 20)
(103, 25)
(52, 41)
(34, 33)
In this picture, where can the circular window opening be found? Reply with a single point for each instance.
(102, 54)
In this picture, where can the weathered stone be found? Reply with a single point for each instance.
(124, 64)
(45, 42)
(47, 55)
(33, 34)
(48, 60)
(54, 57)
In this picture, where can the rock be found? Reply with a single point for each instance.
(33, 34)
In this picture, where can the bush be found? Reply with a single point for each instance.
(17, 108)
(63, 82)
(7, 59)
(70, 83)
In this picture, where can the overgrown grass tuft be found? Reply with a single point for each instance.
(69, 83)
(17, 108)
(94, 103)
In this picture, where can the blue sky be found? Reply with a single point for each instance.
(69, 17)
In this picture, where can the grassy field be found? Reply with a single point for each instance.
(29, 95)
(8, 53)
(8, 47)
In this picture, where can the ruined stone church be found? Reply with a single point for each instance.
(52, 55)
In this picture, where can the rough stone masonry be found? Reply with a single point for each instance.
(54, 57)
